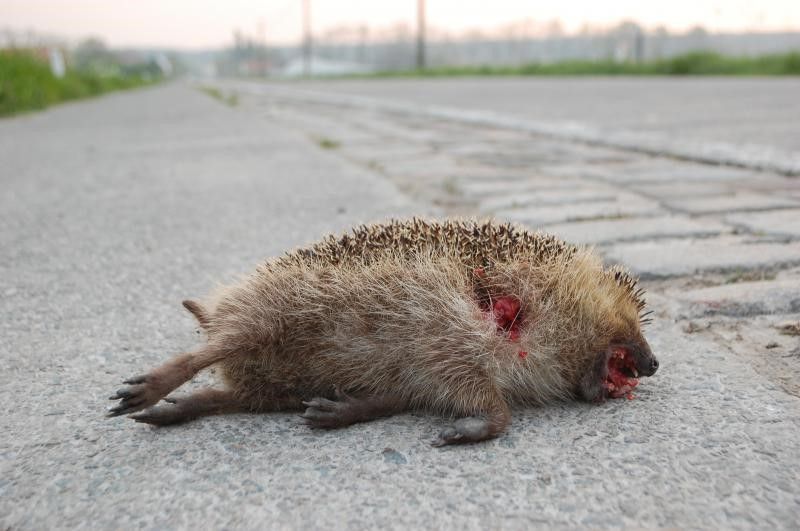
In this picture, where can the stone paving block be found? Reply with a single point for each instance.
(739, 202)
(666, 170)
(545, 215)
(421, 166)
(473, 173)
(675, 258)
(673, 190)
(503, 185)
(390, 129)
(513, 160)
(743, 299)
(490, 188)
(569, 169)
(631, 229)
(753, 183)
(780, 222)
(759, 340)
(546, 197)
(528, 149)
(772, 183)
(382, 151)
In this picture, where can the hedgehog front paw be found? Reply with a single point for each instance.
(467, 429)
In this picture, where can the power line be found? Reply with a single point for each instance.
(307, 37)
(420, 34)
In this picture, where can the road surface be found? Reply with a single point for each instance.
(116, 209)
(734, 110)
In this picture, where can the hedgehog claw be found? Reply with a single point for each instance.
(120, 394)
(161, 415)
(124, 407)
(142, 378)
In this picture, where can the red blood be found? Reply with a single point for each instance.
(505, 311)
(507, 315)
(617, 383)
(523, 354)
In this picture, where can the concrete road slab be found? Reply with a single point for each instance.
(655, 259)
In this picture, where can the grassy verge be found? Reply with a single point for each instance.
(231, 99)
(691, 64)
(26, 83)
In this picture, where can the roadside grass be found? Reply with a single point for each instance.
(690, 64)
(231, 99)
(327, 143)
(27, 84)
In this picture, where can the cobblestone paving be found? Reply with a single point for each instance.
(719, 246)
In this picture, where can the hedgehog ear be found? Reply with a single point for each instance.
(590, 387)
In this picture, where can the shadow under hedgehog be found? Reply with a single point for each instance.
(460, 318)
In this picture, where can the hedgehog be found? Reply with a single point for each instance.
(461, 318)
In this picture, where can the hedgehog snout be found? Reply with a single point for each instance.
(646, 362)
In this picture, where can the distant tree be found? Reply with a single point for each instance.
(92, 55)
(698, 38)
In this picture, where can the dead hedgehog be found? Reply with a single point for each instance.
(460, 318)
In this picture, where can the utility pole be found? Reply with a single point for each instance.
(420, 34)
(307, 38)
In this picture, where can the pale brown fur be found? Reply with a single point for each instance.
(395, 315)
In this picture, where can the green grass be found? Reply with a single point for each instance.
(691, 64)
(27, 84)
(327, 143)
(232, 99)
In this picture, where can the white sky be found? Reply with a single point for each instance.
(210, 23)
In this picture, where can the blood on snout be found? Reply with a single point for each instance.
(621, 376)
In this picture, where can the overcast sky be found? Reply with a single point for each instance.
(210, 23)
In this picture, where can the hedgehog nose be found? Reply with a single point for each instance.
(653, 366)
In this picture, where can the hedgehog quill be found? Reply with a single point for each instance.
(459, 318)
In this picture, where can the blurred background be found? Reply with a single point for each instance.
(98, 45)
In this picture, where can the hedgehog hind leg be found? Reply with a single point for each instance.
(201, 403)
(346, 410)
(146, 390)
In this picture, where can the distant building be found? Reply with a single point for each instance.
(57, 64)
(322, 67)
